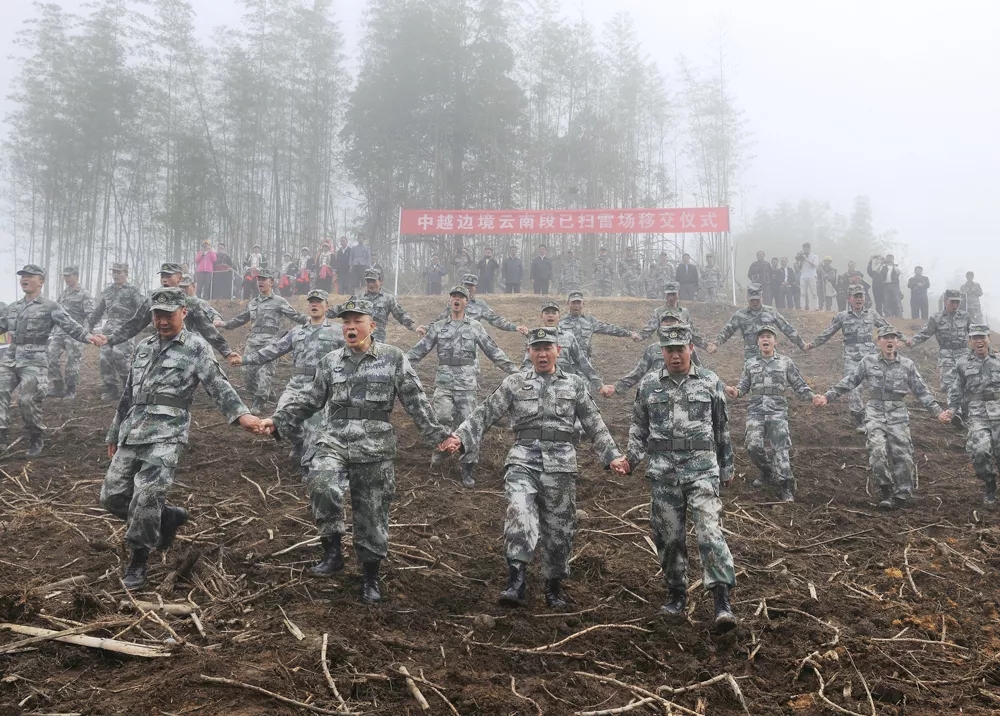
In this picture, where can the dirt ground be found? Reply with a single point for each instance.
(841, 608)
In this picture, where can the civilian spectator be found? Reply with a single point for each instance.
(687, 277)
(918, 285)
(488, 268)
(512, 271)
(808, 279)
(361, 259)
(204, 267)
(541, 272)
(435, 274)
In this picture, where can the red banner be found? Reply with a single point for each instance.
(576, 221)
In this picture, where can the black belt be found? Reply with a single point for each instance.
(885, 395)
(655, 445)
(456, 361)
(981, 396)
(168, 400)
(265, 329)
(769, 390)
(952, 346)
(546, 434)
(359, 414)
(30, 340)
(311, 372)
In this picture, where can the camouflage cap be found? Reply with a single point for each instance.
(460, 290)
(357, 305)
(575, 296)
(672, 313)
(186, 280)
(675, 335)
(978, 329)
(31, 270)
(952, 294)
(119, 266)
(671, 287)
(470, 279)
(170, 269)
(265, 273)
(550, 306)
(856, 290)
(754, 289)
(71, 271)
(373, 274)
(168, 299)
(541, 335)
(317, 294)
(888, 331)
(767, 329)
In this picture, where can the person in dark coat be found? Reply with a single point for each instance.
(760, 272)
(435, 274)
(343, 264)
(488, 269)
(687, 277)
(541, 272)
(918, 285)
(513, 271)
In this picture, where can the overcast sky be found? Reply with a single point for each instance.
(896, 100)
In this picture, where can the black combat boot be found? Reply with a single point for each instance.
(990, 496)
(725, 620)
(55, 391)
(35, 445)
(785, 493)
(517, 585)
(332, 560)
(135, 572)
(764, 479)
(468, 476)
(369, 588)
(676, 605)
(554, 596)
(171, 520)
(887, 502)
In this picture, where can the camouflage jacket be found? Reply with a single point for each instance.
(264, 314)
(78, 304)
(117, 304)
(585, 326)
(630, 271)
(858, 328)
(571, 359)
(155, 405)
(307, 344)
(976, 388)
(889, 382)
(711, 277)
(950, 329)
(30, 324)
(766, 380)
(209, 310)
(971, 293)
(197, 321)
(604, 269)
(571, 275)
(456, 343)
(651, 359)
(365, 386)
(748, 321)
(478, 310)
(383, 304)
(654, 320)
(657, 277)
(542, 403)
(693, 409)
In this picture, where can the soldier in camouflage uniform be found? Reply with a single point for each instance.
(658, 276)
(604, 273)
(543, 403)
(972, 294)
(190, 287)
(976, 393)
(749, 320)
(679, 418)
(79, 305)
(889, 378)
(30, 321)
(951, 329)
(457, 377)
(264, 312)
(768, 439)
(385, 304)
(356, 387)
(571, 273)
(858, 325)
(478, 310)
(572, 359)
(118, 303)
(711, 280)
(308, 344)
(671, 296)
(584, 326)
(152, 424)
(630, 272)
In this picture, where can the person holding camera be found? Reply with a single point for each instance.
(808, 278)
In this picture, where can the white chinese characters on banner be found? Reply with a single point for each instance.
(654, 221)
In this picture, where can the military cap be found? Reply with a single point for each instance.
(32, 270)
(550, 306)
(887, 331)
(119, 266)
(754, 289)
(470, 279)
(672, 313)
(168, 299)
(71, 271)
(979, 329)
(675, 335)
(544, 334)
(768, 329)
(856, 290)
(671, 287)
(265, 273)
(828, 258)
(952, 294)
(357, 305)
(171, 268)
(575, 296)
(317, 294)
(186, 280)
(373, 274)
(460, 290)
(255, 246)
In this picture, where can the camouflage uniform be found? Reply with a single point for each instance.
(710, 283)
(952, 333)
(749, 322)
(385, 304)
(972, 292)
(630, 271)
(79, 305)
(209, 309)
(976, 393)
(571, 275)
(197, 321)
(478, 310)
(541, 468)
(118, 304)
(151, 427)
(356, 442)
(571, 360)
(657, 277)
(653, 324)
(585, 326)
(604, 274)
(652, 360)
(887, 421)
(264, 313)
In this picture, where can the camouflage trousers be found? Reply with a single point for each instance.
(768, 442)
(854, 401)
(451, 408)
(983, 446)
(60, 343)
(632, 286)
(890, 454)
(604, 287)
(710, 294)
(258, 379)
(668, 519)
(114, 366)
(541, 508)
(135, 489)
(948, 366)
(372, 486)
(302, 435)
(33, 381)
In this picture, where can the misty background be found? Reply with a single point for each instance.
(891, 101)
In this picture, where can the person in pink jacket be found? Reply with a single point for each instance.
(204, 265)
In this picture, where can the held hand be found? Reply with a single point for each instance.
(635, 337)
(99, 340)
(265, 426)
(819, 400)
(732, 392)
(621, 466)
(450, 445)
(909, 342)
(712, 348)
(251, 423)
(112, 449)
(809, 347)
(945, 417)
(218, 323)
(523, 330)
(235, 359)
(607, 391)
(421, 331)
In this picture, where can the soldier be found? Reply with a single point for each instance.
(118, 303)
(79, 305)
(671, 293)
(356, 388)
(478, 310)
(264, 313)
(951, 329)
(679, 418)
(972, 292)
(975, 395)
(604, 272)
(630, 272)
(584, 326)
(658, 275)
(711, 279)
(889, 378)
(543, 403)
(572, 359)
(152, 425)
(571, 274)
(307, 344)
(768, 439)
(749, 320)
(385, 304)
(457, 377)
(190, 287)
(858, 325)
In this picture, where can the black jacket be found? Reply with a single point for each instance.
(541, 268)
(687, 274)
(512, 270)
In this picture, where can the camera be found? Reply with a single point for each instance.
(801, 255)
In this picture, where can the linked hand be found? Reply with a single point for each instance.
(945, 417)
(218, 323)
(421, 331)
(450, 445)
(809, 347)
(98, 340)
(819, 400)
(607, 391)
(712, 348)
(635, 337)
(265, 426)
(621, 466)
(251, 423)
(909, 343)
(235, 359)
(523, 330)
(732, 392)
(112, 449)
